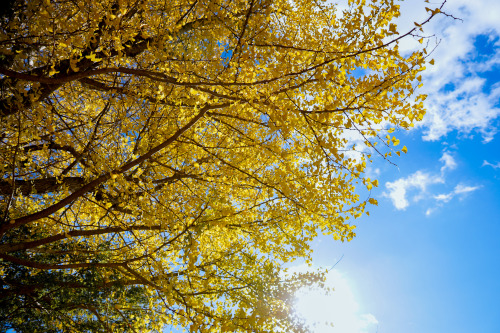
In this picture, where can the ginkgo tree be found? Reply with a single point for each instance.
(162, 160)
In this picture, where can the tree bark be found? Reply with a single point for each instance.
(39, 186)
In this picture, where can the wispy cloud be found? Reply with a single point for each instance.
(448, 162)
(444, 197)
(493, 165)
(416, 185)
(399, 189)
(460, 189)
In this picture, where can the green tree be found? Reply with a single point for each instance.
(29, 300)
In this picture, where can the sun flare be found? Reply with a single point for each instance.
(339, 308)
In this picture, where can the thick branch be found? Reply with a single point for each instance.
(74, 233)
(96, 182)
(39, 186)
(39, 265)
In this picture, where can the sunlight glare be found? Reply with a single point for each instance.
(339, 308)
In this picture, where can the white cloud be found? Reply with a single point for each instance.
(448, 161)
(458, 190)
(465, 109)
(459, 96)
(444, 197)
(493, 165)
(417, 183)
(341, 307)
(429, 211)
(398, 190)
(461, 189)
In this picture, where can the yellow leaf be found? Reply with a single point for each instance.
(93, 57)
(53, 70)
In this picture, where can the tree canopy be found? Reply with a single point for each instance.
(162, 160)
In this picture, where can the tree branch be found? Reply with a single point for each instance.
(8, 225)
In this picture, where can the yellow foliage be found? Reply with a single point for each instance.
(193, 147)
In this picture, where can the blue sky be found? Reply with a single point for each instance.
(428, 257)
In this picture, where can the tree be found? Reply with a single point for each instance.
(29, 301)
(161, 160)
